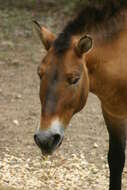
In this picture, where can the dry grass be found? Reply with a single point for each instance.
(60, 173)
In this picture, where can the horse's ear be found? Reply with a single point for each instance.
(45, 35)
(84, 45)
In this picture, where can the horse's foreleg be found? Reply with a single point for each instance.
(117, 143)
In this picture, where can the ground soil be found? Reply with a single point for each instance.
(20, 54)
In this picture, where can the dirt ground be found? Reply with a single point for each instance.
(86, 137)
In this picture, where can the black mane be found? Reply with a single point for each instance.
(94, 14)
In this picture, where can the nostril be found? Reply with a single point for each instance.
(48, 142)
(56, 139)
(36, 139)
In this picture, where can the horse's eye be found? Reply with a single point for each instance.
(73, 81)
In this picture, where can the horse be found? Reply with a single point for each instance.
(89, 55)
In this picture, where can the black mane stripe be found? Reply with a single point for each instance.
(94, 14)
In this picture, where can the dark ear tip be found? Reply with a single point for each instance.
(36, 23)
(86, 37)
(89, 37)
(84, 45)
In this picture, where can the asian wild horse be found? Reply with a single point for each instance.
(89, 55)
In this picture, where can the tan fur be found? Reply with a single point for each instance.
(68, 76)
(69, 96)
(102, 71)
(107, 66)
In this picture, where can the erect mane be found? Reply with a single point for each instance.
(94, 15)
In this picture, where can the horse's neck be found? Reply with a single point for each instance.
(107, 68)
(108, 59)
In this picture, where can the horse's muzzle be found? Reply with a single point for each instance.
(48, 141)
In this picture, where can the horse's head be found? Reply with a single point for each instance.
(64, 86)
